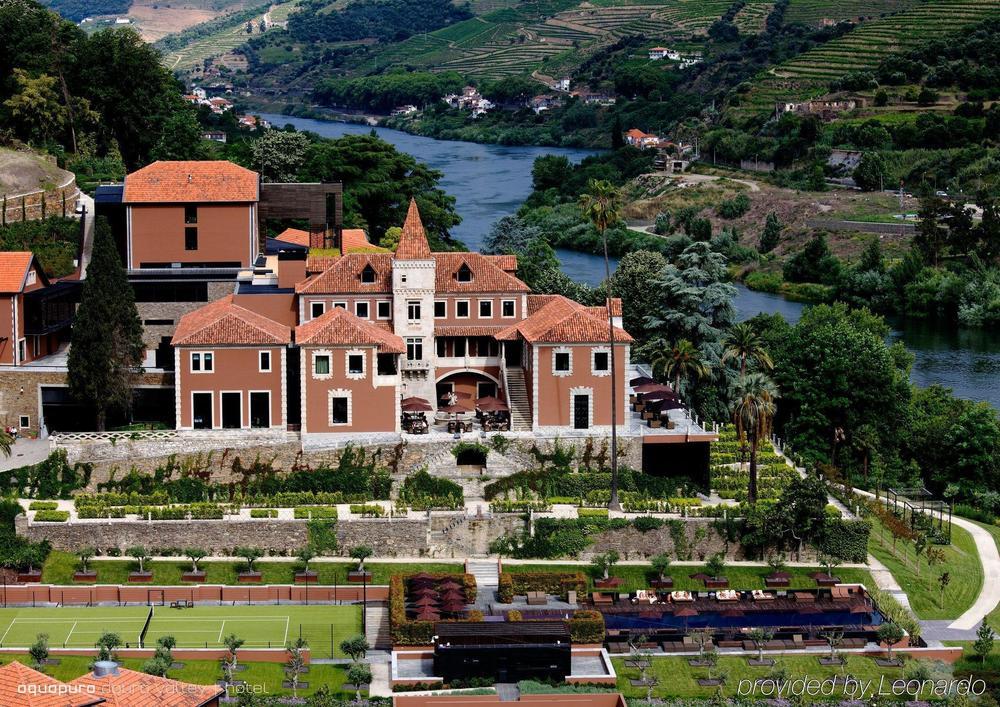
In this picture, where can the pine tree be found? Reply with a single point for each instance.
(984, 641)
(771, 234)
(107, 347)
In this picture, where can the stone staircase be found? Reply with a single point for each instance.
(485, 571)
(377, 626)
(517, 398)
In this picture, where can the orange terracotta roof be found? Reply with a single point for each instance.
(353, 240)
(338, 327)
(224, 323)
(24, 687)
(507, 263)
(343, 276)
(557, 319)
(636, 133)
(487, 276)
(458, 330)
(318, 263)
(295, 236)
(413, 241)
(191, 181)
(13, 269)
(130, 688)
(602, 312)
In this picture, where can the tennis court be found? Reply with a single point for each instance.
(323, 627)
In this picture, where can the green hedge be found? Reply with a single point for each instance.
(52, 516)
(587, 627)
(847, 539)
(43, 506)
(263, 513)
(303, 512)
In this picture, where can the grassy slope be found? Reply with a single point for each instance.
(961, 562)
(60, 566)
(638, 576)
(206, 672)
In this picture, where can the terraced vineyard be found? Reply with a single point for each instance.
(811, 73)
(751, 19)
(813, 12)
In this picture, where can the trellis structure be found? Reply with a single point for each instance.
(914, 500)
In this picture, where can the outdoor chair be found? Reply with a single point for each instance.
(600, 598)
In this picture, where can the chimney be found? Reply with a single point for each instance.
(105, 668)
(291, 268)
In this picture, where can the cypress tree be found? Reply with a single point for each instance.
(617, 138)
(107, 347)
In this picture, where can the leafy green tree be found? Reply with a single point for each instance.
(180, 138)
(359, 675)
(630, 281)
(195, 554)
(296, 664)
(39, 651)
(141, 555)
(361, 553)
(871, 173)
(889, 634)
(617, 133)
(510, 235)
(771, 234)
(85, 554)
(760, 638)
(279, 155)
(107, 347)
(390, 239)
(250, 554)
(814, 263)
(661, 565)
(944, 579)
(984, 641)
(745, 345)
(233, 643)
(107, 643)
(681, 363)
(715, 566)
(35, 107)
(355, 647)
(754, 407)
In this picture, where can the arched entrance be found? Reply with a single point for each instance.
(469, 385)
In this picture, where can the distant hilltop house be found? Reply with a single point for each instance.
(218, 105)
(122, 21)
(601, 98)
(252, 122)
(562, 84)
(214, 136)
(470, 99)
(403, 110)
(658, 53)
(637, 138)
(825, 108)
(545, 102)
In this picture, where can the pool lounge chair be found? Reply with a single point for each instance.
(601, 598)
(643, 596)
(761, 595)
(681, 596)
(728, 595)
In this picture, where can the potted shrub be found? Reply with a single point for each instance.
(661, 564)
(714, 568)
(141, 556)
(889, 634)
(195, 574)
(251, 555)
(306, 575)
(360, 553)
(85, 573)
(33, 555)
(603, 564)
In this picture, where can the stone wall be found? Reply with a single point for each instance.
(443, 535)
(173, 311)
(34, 205)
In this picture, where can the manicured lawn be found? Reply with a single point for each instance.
(60, 566)
(267, 676)
(639, 576)
(961, 562)
(678, 680)
(323, 626)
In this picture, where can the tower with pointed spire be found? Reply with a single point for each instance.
(413, 285)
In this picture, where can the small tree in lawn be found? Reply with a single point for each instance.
(776, 563)
(890, 634)
(920, 543)
(163, 657)
(715, 566)
(603, 564)
(703, 639)
(140, 555)
(944, 579)
(296, 664)
(833, 639)
(195, 554)
(39, 651)
(984, 641)
(361, 553)
(355, 647)
(233, 644)
(710, 659)
(251, 555)
(305, 556)
(85, 555)
(106, 645)
(359, 674)
(661, 565)
(760, 637)
(829, 564)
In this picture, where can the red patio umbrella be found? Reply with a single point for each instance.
(650, 387)
(426, 592)
(428, 615)
(780, 574)
(491, 404)
(426, 601)
(415, 399)
(420, 575)
(453, 607)
(452, 596)
(416, 406)
(659, 395)
(641, 380)
(449, 584)
(454, 409)
(458, 395)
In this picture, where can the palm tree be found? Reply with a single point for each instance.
(745, 344)
(602, 206)
(682, 361)
(753, 410)
(5, 443)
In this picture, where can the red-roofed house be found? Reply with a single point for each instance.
(24, 687)
(121, 687)
(637, 138)
(230, 369)
(34, 314)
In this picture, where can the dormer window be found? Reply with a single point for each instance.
(464, 273)
(368, 274)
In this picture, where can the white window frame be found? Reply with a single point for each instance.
(22, 350)
(342, 305)
(201, 362)
(468, 310)
(270, 417)
(410, 305)
(368, 309)
(562, 350)
(441, 302)
(339, 393)
(479, 309)
(415, 341)
(320, 353)
(313, 306)
(513, 304)
(242, 410)
(260, 361)
(593, 362)
(347, 364)
(378, 309)
(31, 278)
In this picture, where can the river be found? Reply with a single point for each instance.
(491, 181)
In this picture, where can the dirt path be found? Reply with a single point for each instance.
(702, 178)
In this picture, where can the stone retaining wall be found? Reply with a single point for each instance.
(444, 535)
(39, 204)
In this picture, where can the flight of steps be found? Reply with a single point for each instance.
(517, 398)
(377, 627)
(485, 571)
